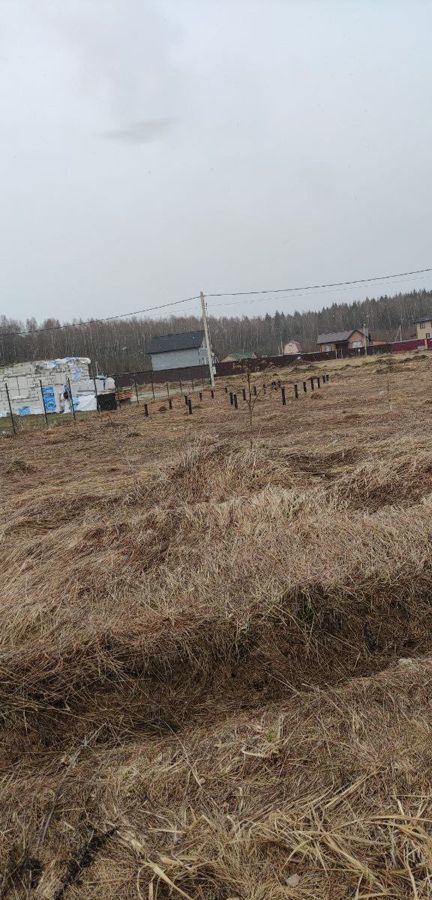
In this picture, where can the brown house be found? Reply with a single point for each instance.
(341, 341)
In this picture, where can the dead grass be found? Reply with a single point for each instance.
(200, 688)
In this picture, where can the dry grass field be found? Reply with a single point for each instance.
(215, 680)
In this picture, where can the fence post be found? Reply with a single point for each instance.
(136, 389)
(296, 391)
(170, 402)
(255, 390)
(200, 396)
(146, 412)
(264, 388)
(235, 401)
(212, 394)
(71, 403)
(283, 396)
(305, 386)
(231, 396)
(96, 394)
(43, 402)
(186, 399)
(244, 393)
(226, 389)
(189, 403)
(10, 409)
(312, 384)
(319, 381)
(153, 389)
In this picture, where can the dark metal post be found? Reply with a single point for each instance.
(146, 412)
(212, 394)
(244, 393)
(200, 396)
(312, 384)
(71, 403)
(305, 386)
(319, 381)
(170, 402)
(226, 389)
(96, 395)
(254, 390)
(231, 396)
(136, 389)
(43, 402)
(190, 406)
(186, 399)
(10, 409)
(235, 401)
(296, 391)
(283, 396)
(264, 389)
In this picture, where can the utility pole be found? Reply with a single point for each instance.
(365, 332)
(207, 338)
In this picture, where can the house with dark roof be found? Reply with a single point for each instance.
(178, 351)
(341, 341)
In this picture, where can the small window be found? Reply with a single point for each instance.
(427, 335)
(422, 326)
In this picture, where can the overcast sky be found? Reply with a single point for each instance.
(149, 150)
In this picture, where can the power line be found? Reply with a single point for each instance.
(305, 292)
(137, 312)
(314, 287)
(289, 290)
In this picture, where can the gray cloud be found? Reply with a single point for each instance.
(277, 143)
(143, 132)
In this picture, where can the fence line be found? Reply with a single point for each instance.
(210, 393)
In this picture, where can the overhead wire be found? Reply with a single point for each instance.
(314, 287)
(128, 315)
(253, 293)
(293, 295)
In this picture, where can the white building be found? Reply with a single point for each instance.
(28, 381)
(178, 351)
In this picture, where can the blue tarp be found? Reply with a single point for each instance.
(49, 398)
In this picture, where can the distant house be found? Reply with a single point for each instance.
(341, 341)
(291, 347)
(239, 356)
(178, 351)
(424, 328)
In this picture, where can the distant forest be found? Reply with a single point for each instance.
(122, 345)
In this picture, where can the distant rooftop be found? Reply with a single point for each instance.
(166, 343)
(334, 337)
(424, 319)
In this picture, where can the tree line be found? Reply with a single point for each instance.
(122, 345)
